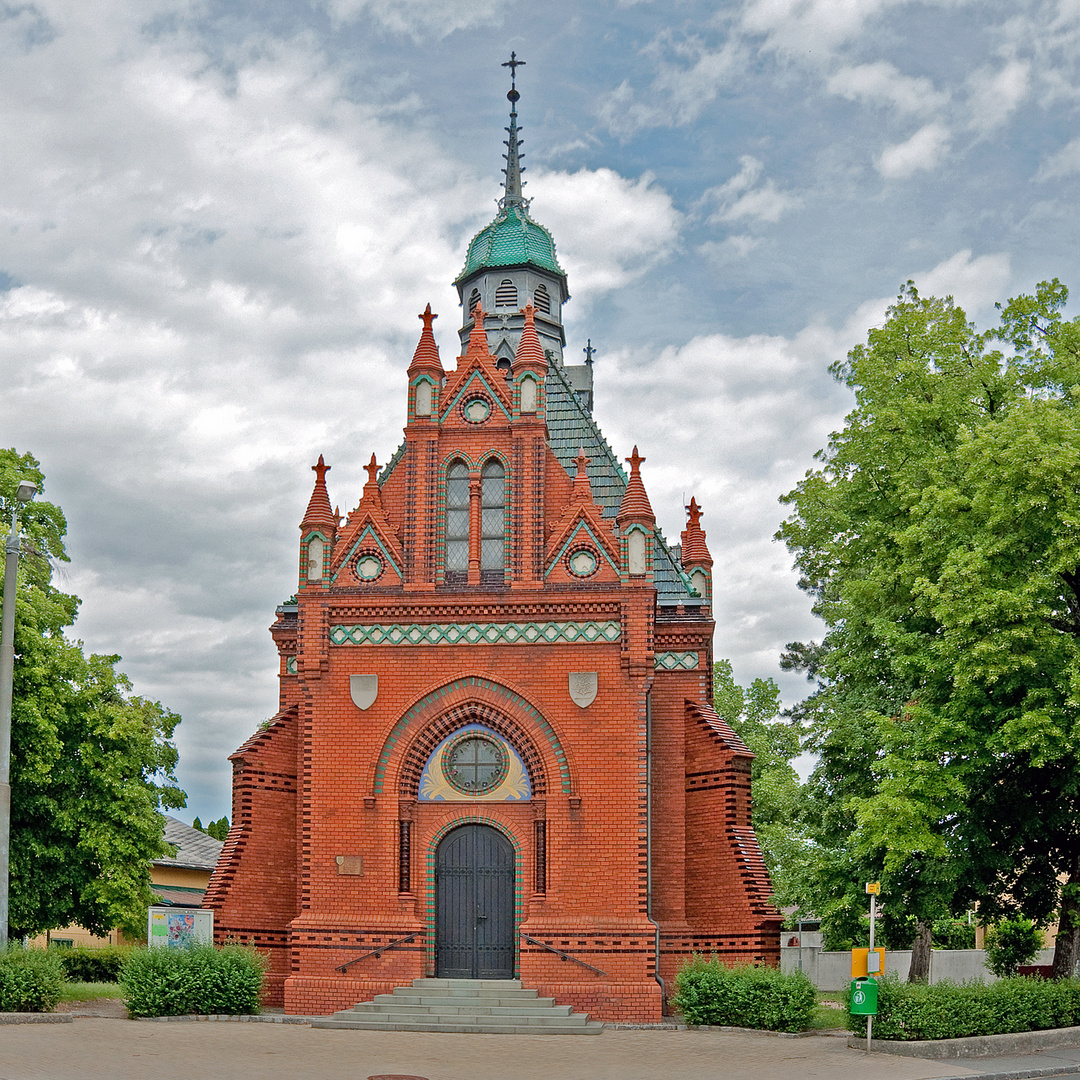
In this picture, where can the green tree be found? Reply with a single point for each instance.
(754, 714)
(91, 765)
(939, 540)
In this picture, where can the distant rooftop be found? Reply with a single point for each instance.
(194, 850)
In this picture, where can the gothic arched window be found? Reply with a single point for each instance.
(506, 294)
(542, 300)
(492, 520)
(457, 521)
(474, 299)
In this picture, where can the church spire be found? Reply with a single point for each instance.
(512, 194)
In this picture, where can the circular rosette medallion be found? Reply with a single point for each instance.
(583, 562)
(473, 764)
(369, 566)
(476, 410)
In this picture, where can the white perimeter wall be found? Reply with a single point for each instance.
(832, 970)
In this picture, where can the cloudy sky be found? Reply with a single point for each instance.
(219, 221)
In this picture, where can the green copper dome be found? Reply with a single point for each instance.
(512, 239)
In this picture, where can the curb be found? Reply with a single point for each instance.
(227, 1018)
(1020, 1042)
(35, 1018)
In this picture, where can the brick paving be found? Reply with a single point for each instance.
(93, 1048)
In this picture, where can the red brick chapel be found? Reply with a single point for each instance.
(495, 754)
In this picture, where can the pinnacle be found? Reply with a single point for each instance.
(318, 513)
(635, 502)
(530, 351)
(427, 352)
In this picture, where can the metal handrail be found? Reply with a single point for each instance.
(377, 952)
(563, 955)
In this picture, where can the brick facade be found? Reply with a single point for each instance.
(451, 600)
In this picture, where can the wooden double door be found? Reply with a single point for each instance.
(474, 909)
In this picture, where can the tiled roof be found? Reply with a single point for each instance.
(570, 427)
(193, 848)
(512, 239)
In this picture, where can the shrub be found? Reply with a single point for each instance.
(1011, 943)
(949, 1010)
(952, 934)
(30, 979)
(83, 964)
(708, 992)
(202, 980)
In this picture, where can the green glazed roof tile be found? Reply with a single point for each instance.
(512, 239)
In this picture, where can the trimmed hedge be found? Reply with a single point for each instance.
(83, 964)
(30, 979)
(203, 980)
(947, 1010)
(708, 992)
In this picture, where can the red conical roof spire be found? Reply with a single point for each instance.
(319, 515)
(426, 357)
(695, 552)
(635, 503)
(530, 351)
(478, 342)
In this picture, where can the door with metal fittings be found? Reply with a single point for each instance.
(474, 909)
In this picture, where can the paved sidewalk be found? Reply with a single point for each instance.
(88, 1049)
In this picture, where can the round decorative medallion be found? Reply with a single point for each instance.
(368, 567)
(474, 764)
(583, 562)
(476, 410)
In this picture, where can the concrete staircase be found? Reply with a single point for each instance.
(493, 1006)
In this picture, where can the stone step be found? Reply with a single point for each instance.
(482, 1025)
(469, 984)
(531, 1002)
(447, 1009)
(463, 1005)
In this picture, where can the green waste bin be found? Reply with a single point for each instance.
(864, 997)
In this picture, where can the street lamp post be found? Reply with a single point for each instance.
(24, 493)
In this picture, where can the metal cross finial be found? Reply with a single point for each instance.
(513, 64)
(588, 351)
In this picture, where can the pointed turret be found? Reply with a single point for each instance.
(696, 559)
(530, 353)
(636, 522)
(425, 372)
(426, 359)
(635, 504)
(695, 552)
(478, 343)
(319, 514)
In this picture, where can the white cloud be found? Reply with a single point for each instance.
(688, 77)
(1062, 162)
(976, 284)
(923, 151)
(741, 197)
(610, 230)
(420, 18)
(882, 82)
(996, 93)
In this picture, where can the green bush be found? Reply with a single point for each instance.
(952, 934)
(947, 1010)
(708, 992)
(30, 979)
(83, 964)
(1010, 943)
(203, 980)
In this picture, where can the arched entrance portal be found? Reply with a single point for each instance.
(474, 909)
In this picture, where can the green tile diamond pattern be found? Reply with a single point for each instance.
(675, 661)
(550, 633)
